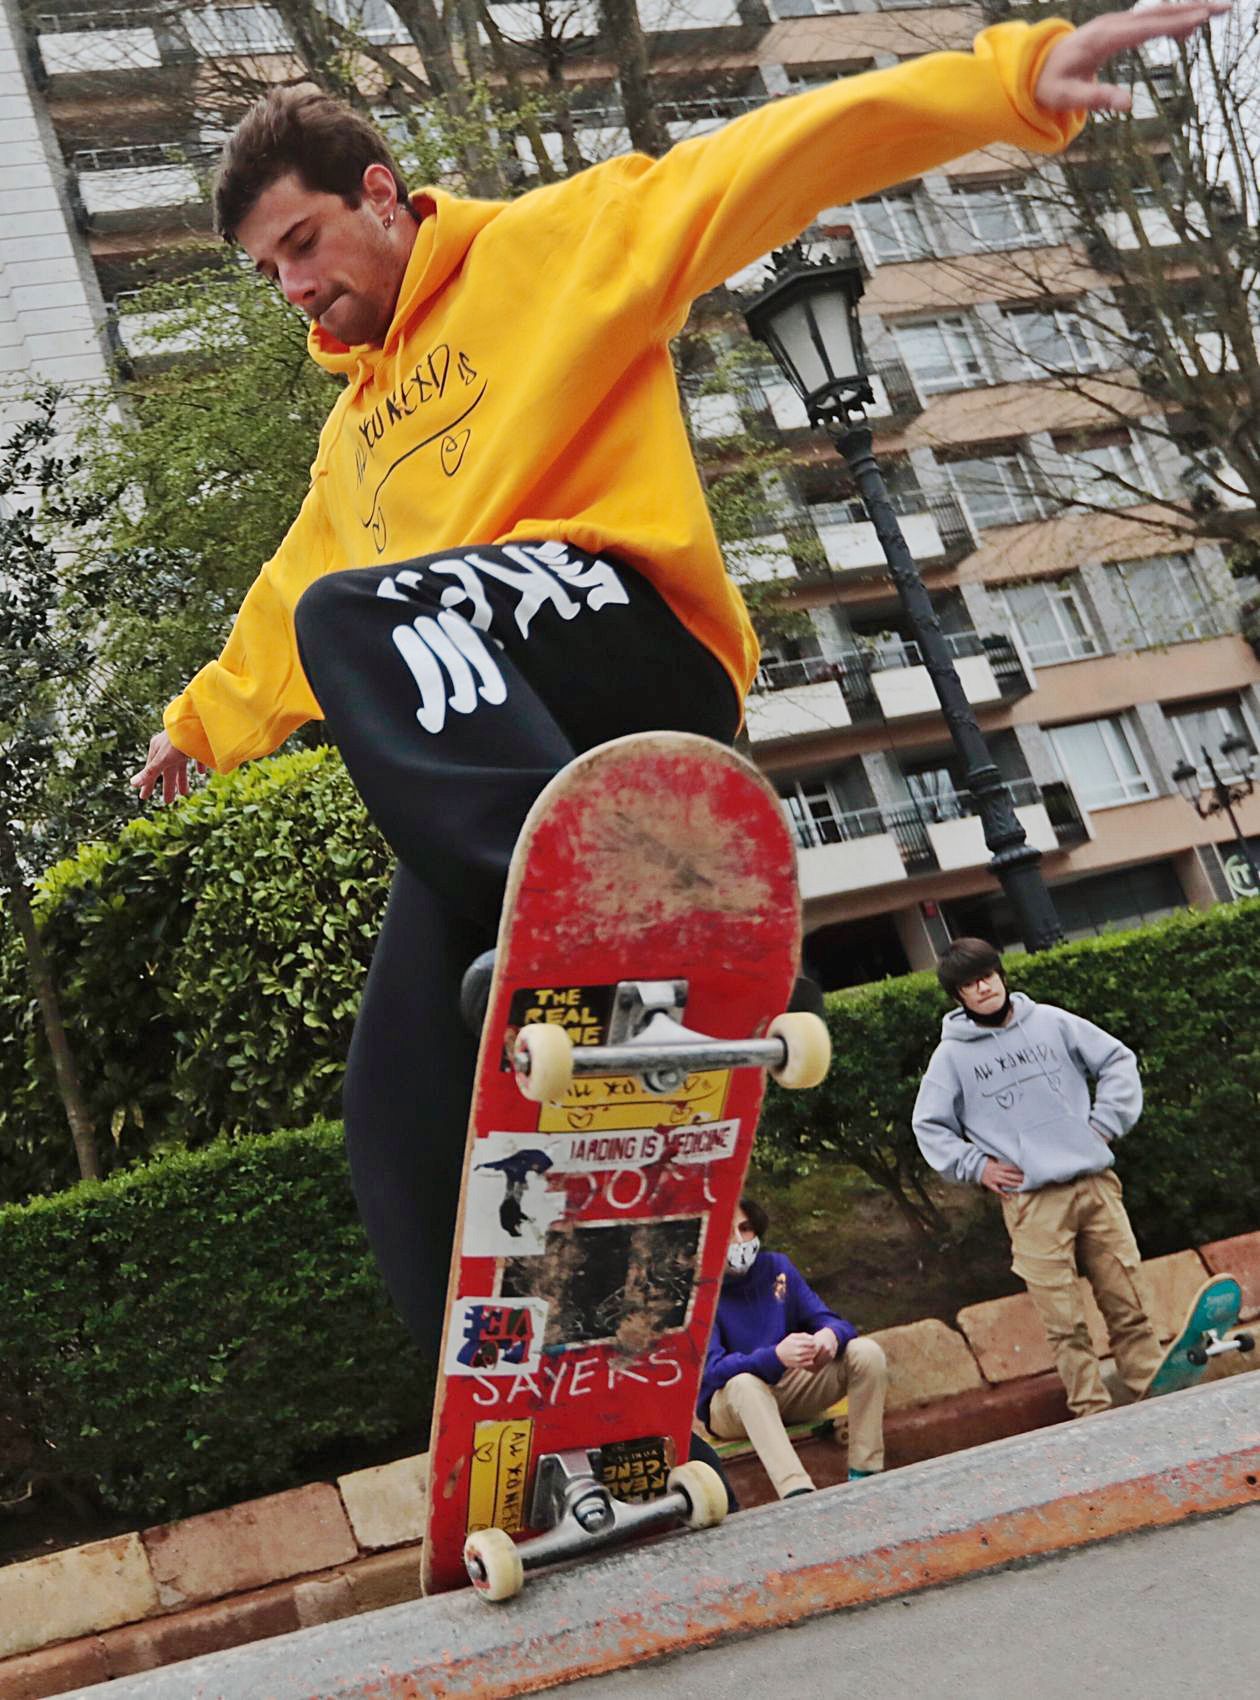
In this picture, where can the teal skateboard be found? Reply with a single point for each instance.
(1204, 1335)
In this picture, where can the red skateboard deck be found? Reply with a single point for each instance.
(592, 1232)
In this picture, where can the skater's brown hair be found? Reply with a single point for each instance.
(301, 129)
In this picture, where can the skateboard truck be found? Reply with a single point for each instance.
(578, 1515)
(1212, 1344)
(646, 1037)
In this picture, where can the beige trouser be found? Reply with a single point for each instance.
(749, 1407)
(1051, 1230)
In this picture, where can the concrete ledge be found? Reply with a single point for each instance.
(1189, 1455)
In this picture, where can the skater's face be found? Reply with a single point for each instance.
(984, 996)
(743, 1229)
(343, 266)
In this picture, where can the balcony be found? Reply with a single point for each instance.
(988, 668)
(129, 187)
(91, 43)
(936, 530)
(857, 848)
(792, 699)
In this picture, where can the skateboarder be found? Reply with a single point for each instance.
(779, 1355)
(1005, 1104)
(505, 556)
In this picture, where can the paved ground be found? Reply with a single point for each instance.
(1153, 1466)
(1164, 1616)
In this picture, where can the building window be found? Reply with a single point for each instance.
(1050, 620)
(999, 216)
(1109, 474)
(942, 354)
(1204, 725)
(1165, 600)
(894, 227)
(1103, 903)
(830, 811)
(1053, 340)
(999, 489)
(1099, 759)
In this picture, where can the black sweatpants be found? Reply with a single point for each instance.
(455, 685)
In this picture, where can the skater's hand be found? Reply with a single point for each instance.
(825, 1347)
(1001, 1178)
(796, 1351)
(167, 764)
(1069, 77)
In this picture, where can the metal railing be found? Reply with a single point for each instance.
(141, 156)
(907, 823)
(1064, 813)
(1008, 669)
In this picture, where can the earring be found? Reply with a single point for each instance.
(390, 220)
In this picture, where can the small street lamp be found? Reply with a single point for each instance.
(807, 315)
(1221, 795)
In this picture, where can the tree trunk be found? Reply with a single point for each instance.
(424, 24)
(627, 48)
(82, 1132)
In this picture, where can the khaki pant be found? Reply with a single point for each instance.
(1051, 1231)
(748, 1407)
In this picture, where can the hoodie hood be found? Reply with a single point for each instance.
(959, 1025)
(448, 227)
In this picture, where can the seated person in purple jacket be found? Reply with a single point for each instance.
(779, 1356)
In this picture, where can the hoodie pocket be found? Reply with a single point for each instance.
(1060, 1149)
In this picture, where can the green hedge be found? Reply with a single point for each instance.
(210, 962)
(184, 1334)
(1185, 994)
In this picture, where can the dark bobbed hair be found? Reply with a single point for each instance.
(966, 960)
(756, 1214)
(303, 130)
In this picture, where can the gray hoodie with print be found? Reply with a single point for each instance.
(1020, 1093)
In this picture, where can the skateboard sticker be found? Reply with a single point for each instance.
(623, 1101)
(582, 1011)
(635, 1470)
(491, 1336)
(496, 1481)
(624, 1282)
(516, 1184)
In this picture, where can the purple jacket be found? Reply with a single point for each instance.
(756, 1311)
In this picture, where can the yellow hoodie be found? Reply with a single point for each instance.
(525, 389)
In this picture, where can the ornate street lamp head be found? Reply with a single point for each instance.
(1239, 756)
(1186, 778)
(807, 316)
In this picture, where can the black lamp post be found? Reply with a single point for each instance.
(807, 316)
(1220, 794)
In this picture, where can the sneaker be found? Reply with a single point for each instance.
(474, 991)
(861, 1475)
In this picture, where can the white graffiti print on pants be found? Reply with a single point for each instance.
(446, 654)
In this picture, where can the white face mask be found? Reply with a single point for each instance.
(740, 1255)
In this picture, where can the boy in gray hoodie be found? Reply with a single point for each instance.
(1005, 1104)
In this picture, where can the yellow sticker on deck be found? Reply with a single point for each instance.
(500, 1468)
(622, 1101)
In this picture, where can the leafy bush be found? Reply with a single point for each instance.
(1185, 994)
(210, 962)
(183, 1334)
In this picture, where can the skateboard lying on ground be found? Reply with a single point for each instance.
(1214, 1310)
(650, 939)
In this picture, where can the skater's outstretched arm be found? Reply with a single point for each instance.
(1069, 80)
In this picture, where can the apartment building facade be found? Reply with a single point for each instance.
(1098, 642)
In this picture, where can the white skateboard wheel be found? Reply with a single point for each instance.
(544, 1062)
(702, 1487)
(808, 1046)
(493, 1564)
